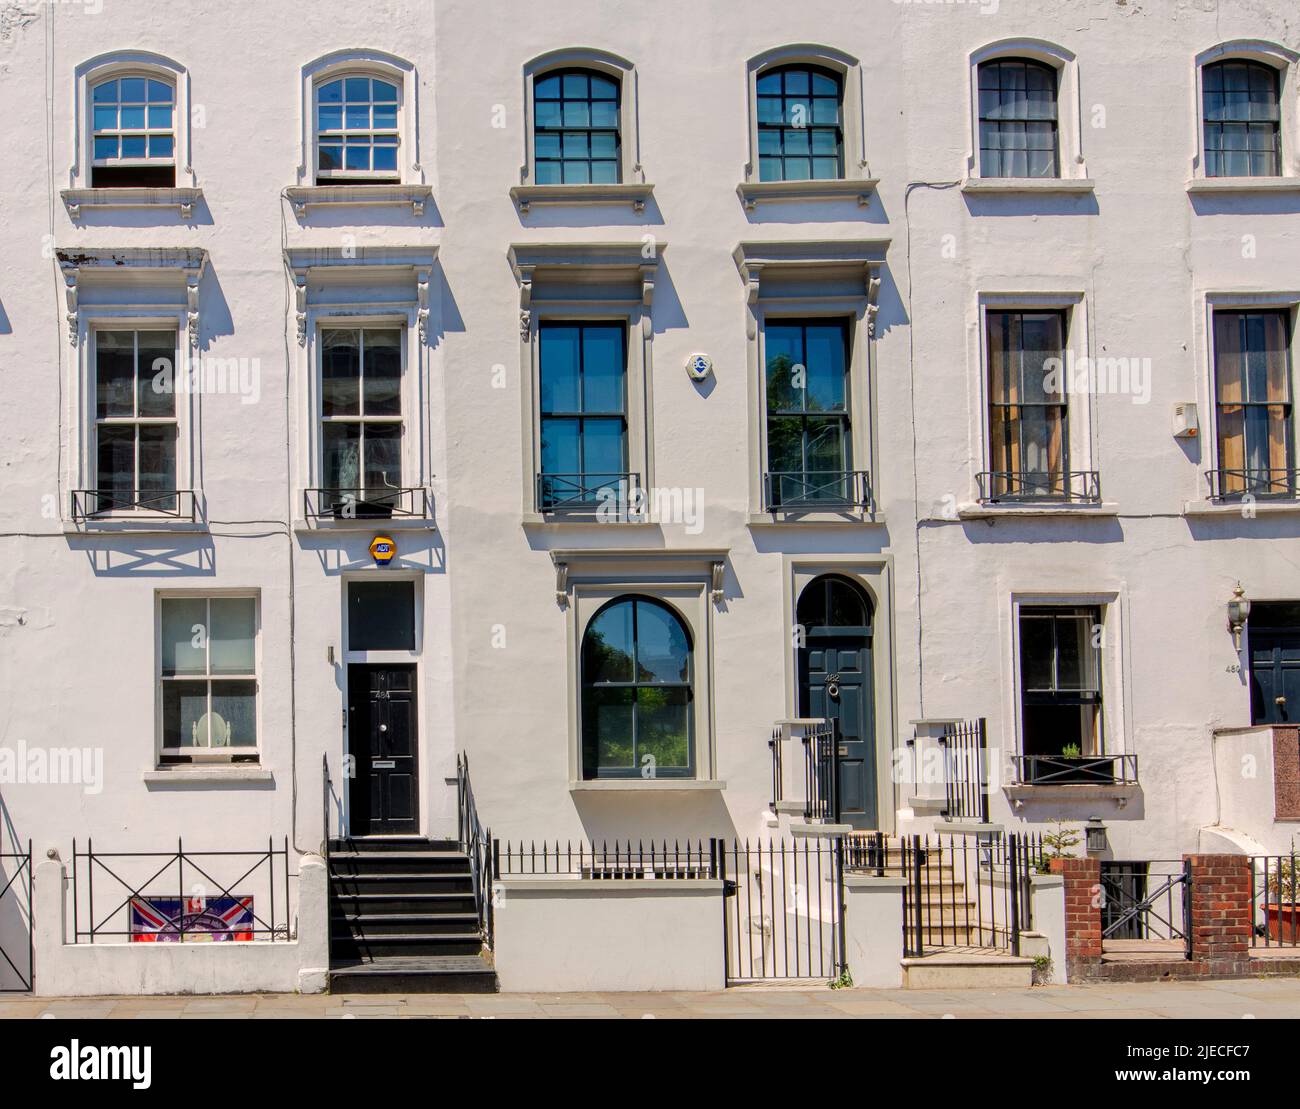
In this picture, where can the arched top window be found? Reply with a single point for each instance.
(1241, 108)
(576, 134)
(1018, 119)
(833, 602)
(637, 689)
(133, 136)
(800, 114)
(357, 130)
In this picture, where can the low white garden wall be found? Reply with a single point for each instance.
(91, 970)
(557, 935)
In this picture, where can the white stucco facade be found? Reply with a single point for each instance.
(249, 261)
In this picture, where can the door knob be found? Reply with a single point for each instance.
(1279, 700)
(383, 727)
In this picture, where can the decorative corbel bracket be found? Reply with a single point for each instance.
(192, 307)
(718, 576)
(422, 312)
(647, 298)
(300, 305)
(562, 583)
(70, 294)
(525, 302)
(873, 297)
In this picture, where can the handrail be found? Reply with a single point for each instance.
(478, 844)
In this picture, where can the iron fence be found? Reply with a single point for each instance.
(1146, 899)
(1230, 484)
(624, 860)
(784, 908)
(821, 773)
(1039, 485)
(16, 944)
(959, 891)
(965, 748)
(180, 895)
(1045, 770)
(812, 490)
(479, 846)
(1274, 901)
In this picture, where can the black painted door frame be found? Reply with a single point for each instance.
(383, 740)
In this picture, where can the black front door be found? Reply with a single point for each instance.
(1275, 676)
(835, 682)
(383, 798)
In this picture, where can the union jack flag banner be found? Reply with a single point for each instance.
(202, 919)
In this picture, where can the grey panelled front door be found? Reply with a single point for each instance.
(835, 682)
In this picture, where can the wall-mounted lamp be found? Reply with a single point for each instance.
(1238, 611)
(1095, 836)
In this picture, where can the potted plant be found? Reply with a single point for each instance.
(1072, 767)
(1282, 901)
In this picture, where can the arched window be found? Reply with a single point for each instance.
(576, 137)
(357, 133)
(835, 602)
(1018, 119)
(133, 143)
(800, 124)
(1242, 116)
(637, 688)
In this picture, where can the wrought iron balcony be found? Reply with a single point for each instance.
(1226, 485)
(814, 490)
(366, 504)
(560, 492)
(1059, 770)
(999, 486)
(101, 504)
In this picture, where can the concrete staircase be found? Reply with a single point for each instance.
(403, 919)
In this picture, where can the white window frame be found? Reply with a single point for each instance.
(1225, 300)
(1277, 57)
(207, 754)
(131, 63)
(1079, 406)
(856, 182)
(1115, 723)
(688, 596)
(362, 63)
(1069, 123)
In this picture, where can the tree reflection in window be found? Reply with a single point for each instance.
(637, 687)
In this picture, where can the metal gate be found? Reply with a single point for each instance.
(1147, 900)
(784, 909)
(16, 921)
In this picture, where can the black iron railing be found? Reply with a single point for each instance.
(821, 772)
(1275, 900)
(1146, 899)
(678, 860)
(813, 490)
(1044, 770)
(959, 891)
(17, 960)
(1039, 485)
(366, 504)
(965, 760)
(783, 913)
(91, 504)
(478, 844)
(1230, 484)
(556, 492)
(169, 895)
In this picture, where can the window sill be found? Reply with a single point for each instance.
(210, 774)
(1119, 792)
(365, 523)
(1244, 185)
(1247, 509)
(1012, 185)
(305, 197)
(978, 511)
(181, 199)
(134, 525)
(648, 785)
(753, 192)
(794, 518)
(525, 196)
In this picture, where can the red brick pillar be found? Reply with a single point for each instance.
(1221, 912)
(1082, 907)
